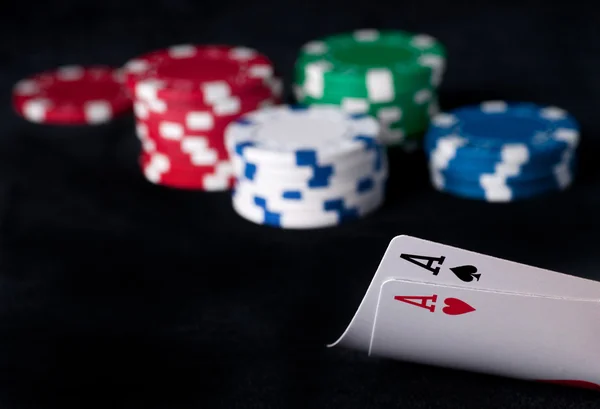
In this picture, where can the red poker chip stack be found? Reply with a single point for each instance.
(184, 97)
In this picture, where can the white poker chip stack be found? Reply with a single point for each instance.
(306, 167)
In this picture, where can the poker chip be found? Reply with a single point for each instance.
(201, 72)
(301, 198)
(184, 98)
(294, 134)
(312, 175)
(72, 95)
(502, 191)
(159, 169)
(301, 167)
(335, 214)
(501, 151)
(390, 75)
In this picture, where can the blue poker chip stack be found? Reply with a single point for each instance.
(306, 167)
(501, 152)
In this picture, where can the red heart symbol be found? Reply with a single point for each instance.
(454, 306)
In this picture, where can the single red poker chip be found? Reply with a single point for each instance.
(206, 72)
(190, 151)
(172, 136)
(185, 159)
(72, 95)
(228, 108)
(158, 169)
(273, 89)
(179, 166)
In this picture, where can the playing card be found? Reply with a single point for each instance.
(495, 332)
(421, 260)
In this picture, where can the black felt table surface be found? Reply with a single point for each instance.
(117, 293)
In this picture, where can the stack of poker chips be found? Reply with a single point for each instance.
(184, 97)
(500, 152)
(59, 106)
(301, 167)
(390, 75)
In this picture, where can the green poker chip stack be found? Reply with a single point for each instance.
(391, 75)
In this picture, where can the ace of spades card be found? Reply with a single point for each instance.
(414, 261)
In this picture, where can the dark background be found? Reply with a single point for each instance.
(115, 293)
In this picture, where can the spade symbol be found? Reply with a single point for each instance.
(466, 273)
